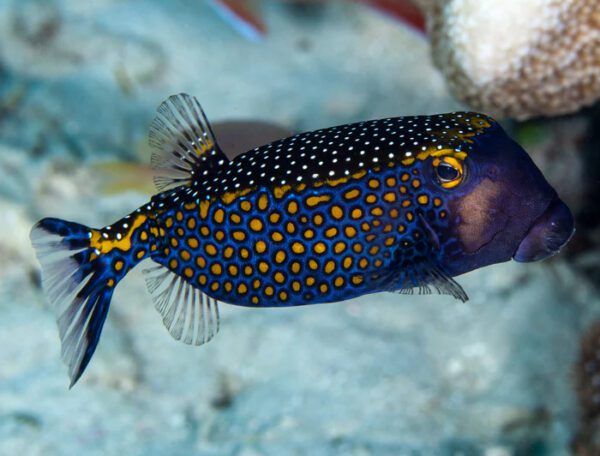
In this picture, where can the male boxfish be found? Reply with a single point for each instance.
(398, 205)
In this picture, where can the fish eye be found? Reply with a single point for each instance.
(449, 172)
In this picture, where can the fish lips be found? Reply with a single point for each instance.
(548, 234)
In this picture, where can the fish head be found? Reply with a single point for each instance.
(500, 206)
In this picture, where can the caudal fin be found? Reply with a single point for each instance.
(79, 284)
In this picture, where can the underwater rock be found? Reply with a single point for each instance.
(587, 379)
(518, 59)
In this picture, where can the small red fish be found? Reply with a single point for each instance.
(245, 16)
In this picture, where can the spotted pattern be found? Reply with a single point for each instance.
(318, 217)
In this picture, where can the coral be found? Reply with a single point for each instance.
(518, 58)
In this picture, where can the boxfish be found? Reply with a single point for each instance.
(397, 205)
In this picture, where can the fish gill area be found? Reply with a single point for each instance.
(383, 374)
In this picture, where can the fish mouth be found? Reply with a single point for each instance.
(548, 234)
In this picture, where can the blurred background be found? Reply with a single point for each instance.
(514, 371)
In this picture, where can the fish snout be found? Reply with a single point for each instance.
(548, 234)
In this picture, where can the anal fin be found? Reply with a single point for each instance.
(190, 315)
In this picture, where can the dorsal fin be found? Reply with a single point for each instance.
(183, 143)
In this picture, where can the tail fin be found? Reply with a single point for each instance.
(79, 282)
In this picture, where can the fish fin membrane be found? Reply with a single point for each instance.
(190, 315)
(74, 280)
(427, 279)
(183, 143)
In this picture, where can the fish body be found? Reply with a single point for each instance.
(397, 204)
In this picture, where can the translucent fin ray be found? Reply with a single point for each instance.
(189, 315)
(183, 143)
(74, 283)
(426, 278)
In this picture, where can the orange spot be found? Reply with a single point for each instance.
(347, 263)
(331, 232)
(280, 256)
(373, 183)
(260, 246)
(337, 212)
(339, 247)
(201, 261)
(279, 277)
(352, 194)
(256, 224)
(242, 288)
(233, 270)
(276, 236)
(350, 231)
(263, 202)
(357, 279)
(292, 207)
(274, 217)
(423, 199)
(290, 227)
(216, 269)
(319, 248)
(390, 197)
(210, 249)
(192, 242)
(239, 235)
(329, 267)
(298, 247)
(189, 272)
